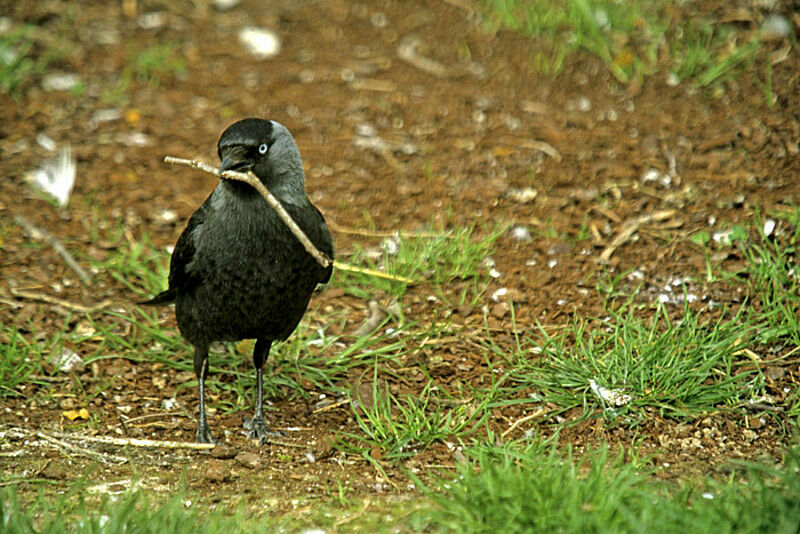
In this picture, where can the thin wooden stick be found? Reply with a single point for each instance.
(72, 306)
(254, 182)
(104, 458)
(403, 234)
(630, 227)
(42, 235)
(135, 442)
(538, 413)
(331, 406)
(372, 272)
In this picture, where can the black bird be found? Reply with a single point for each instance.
(237, 271)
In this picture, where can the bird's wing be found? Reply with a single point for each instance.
(322, 239)
(181, 277)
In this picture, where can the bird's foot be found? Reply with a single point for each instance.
(257, 429)
(204, 435)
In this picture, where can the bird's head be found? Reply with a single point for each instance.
(267, 149)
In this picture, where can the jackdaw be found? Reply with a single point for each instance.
(237, 271)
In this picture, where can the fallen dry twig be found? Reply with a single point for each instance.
(377, 314)
(630, 227)
(535, 144)
(538, 413)
(407, 51)
(40, 234)
(103, 458)
(136, 442)
(72, 306)
(340, 402)
(254, 182)
(403, 234)
(373, 272)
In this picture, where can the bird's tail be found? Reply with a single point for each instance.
(165, 297)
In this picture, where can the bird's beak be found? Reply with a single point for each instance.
(228, 164)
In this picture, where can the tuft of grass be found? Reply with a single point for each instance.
(153, 66)
(19, 61)
(19, 358)
(629, 37)
(533, 488)
(147, 511)
(624, 35)
(157, 64)
(457, 254)
(709, 53)
(133, 512)
(402, 426)
(771, 274)
(681, 368)
(137, 265)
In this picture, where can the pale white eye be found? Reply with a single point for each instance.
(263, 149)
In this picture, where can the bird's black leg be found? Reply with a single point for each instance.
(256, 426)
(201, 370)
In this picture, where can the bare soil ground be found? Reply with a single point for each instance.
(457, 144)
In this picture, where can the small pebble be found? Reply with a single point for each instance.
(60, 81)
(365, 130)
(520, 233)
(67, 361)
(523, 195)
(152, 20)
(672, 79)
(260, 42)
(775, 27)
(379, 20)
(225, 5)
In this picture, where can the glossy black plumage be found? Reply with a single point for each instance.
(237, 272)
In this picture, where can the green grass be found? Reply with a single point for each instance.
(536, 488)
(402, 426)
(20, 60)
(455, 255)
(771, 275)
(134, 512)
(669, 361)
(709, 53)
(629, 37)
(182, 511)
(153, 66)
(677, 367)
(624, 35)
(19, 358)
(308, 360)
(137, 265)
(515, 487)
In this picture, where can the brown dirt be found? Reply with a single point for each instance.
(475, 133)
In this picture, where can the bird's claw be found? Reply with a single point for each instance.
(257, 429)
(204, 435)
